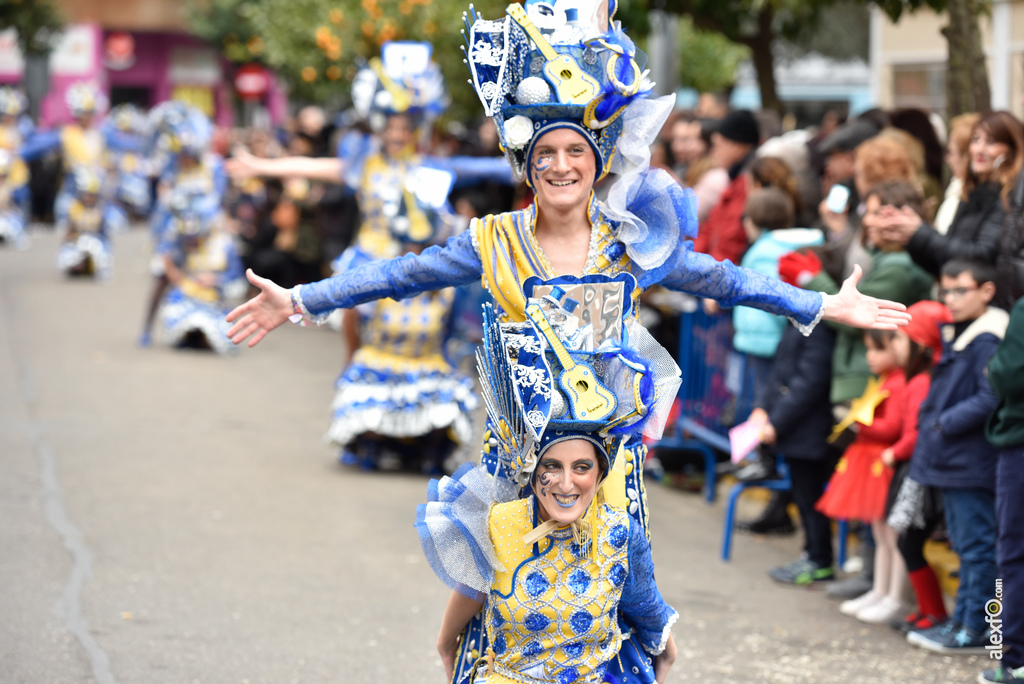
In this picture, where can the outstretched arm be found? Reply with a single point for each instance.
(701, 275)
(454, 264)
(326, 169)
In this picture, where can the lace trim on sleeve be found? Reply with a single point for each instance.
(665, 634)
(302, 314)
(806, 330)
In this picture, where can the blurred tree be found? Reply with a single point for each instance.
(967, 84)
(37, 23)
(755, 24)
(707, 59)
(316, 45)
(842, 33)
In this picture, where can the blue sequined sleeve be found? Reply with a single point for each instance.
(704, 276)
(457, 263)
(641, 601)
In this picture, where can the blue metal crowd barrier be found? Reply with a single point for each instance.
(717, 392)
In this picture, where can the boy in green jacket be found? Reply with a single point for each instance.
(1005, 431)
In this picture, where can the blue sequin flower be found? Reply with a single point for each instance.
(618, 536)
(579, 581)
(537, 622)
(532, 648)
(617, 574)
(536, 584)
(574, 649)
(568, 675)
(499, 644)
(580, 621)
(496, 617)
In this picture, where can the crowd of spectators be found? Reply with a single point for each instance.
(931, 216)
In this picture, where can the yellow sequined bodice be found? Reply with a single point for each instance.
(408, 335)
(510, 254)
(551, 616)
(83, 219)
(81, 147)
(380, 193)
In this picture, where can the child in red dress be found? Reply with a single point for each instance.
(859, 488)
(918, 348)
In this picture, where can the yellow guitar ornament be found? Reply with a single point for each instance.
(588, 399)
(572, 85)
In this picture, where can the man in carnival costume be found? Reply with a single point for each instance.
(561, 149)
(546, 548)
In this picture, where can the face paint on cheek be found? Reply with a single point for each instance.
(541, 165)
(545, 480)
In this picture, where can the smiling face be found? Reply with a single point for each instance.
(562, 169)
(986, 154)
(565, 481)
(397, 134)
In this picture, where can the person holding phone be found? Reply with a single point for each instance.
(996, 152)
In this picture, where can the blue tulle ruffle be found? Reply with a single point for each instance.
(453, 528)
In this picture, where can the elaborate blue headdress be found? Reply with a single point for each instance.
(84, 97)
(178, 128)
(568, 64)
(554, 64)
(12, 102)
(403, 80)
(580, 367)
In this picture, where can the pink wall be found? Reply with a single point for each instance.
(53, 111)
(150, 70)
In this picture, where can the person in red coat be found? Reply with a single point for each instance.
(859, 488)
(918, 349)
(732, 146)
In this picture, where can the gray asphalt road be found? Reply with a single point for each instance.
(174, 517)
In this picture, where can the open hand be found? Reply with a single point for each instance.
(852, 308)
(261, 314)
(899, 224)
(242, 165)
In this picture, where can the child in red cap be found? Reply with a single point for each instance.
(918, 347)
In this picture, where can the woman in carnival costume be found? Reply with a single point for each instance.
(81, 143)
(180, 138)
(398, 95)
(15, 126)
(86, 227)
(561, 149)
(552, 579)
(127, 185)
(204, 272)
(12, 218)
(400, 393)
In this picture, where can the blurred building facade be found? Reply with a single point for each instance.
(908, 59)
(137, 51)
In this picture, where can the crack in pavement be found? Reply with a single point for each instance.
(68, 607)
